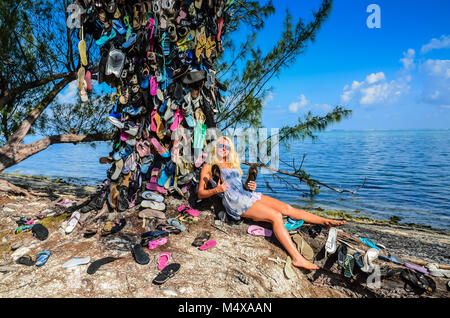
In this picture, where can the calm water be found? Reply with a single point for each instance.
(408, 172)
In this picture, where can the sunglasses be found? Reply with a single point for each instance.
(223, 146)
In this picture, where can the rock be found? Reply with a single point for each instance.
(169, 292)
(16, 245)
(48, 212)
(6, 268)
(37, 204)
(20, 252)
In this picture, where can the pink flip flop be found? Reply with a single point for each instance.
(153, 122)
(143, 148)
(154, 244)
(259, 231)
(153, 180)
(188, 210)
(200, 159)
(87, 78)
(208, 244)
(178, 118)
(163, 259)
(153, 86)
(161, 150)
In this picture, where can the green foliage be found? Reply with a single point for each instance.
(77, 118)
(310, 124)
(35, 50)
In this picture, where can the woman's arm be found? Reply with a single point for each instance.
(205, 175)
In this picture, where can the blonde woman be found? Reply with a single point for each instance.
(239, 202)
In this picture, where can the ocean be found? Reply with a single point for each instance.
(407, 171)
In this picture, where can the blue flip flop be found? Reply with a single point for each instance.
(146, 162)
(291, 220)
(390, 259)
(119, 27)
(292, 226)
(358, 259)
(166, 173)
(123, 153)
(369, 242)
(131, 40)
(42, 258)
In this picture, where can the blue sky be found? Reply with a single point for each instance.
(395, 77)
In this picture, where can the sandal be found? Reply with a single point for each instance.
(168, 272)
(187, 209)
(42, 258)
(25, 260)
(201, 238)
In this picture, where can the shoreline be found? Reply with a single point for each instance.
(43, 181)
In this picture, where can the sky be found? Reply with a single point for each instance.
(393, 77)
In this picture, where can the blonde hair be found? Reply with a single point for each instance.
(232, 156)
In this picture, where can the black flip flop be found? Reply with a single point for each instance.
(139, 255)
(429, 284)
(216, 174)
(168, 271)
(411, 278)
(96, 265)
(201, 238)
(358, 259)
(251, 175)
(342, 254)
(169, 228)
(118, 226)
(386, 271)
(40, 232)
(25, 260)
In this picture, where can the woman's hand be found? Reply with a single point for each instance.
(252, 185)
(221, 187)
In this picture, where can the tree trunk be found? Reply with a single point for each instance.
(18, 136)
(12, 154)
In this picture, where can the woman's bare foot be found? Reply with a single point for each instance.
(332, 223)
(304, 263)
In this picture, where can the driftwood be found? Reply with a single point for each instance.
(11, 189)
(300, 177)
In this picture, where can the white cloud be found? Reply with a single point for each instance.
(324, 107)
(376, 89)
(69, 94)
(370, 79)
(294, 107)
(436, 79)
(408, 60)
(268, 99)
(442, 43)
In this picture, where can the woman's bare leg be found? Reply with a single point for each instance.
(297, 214)
(261, 212)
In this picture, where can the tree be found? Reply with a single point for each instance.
(39, 59)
